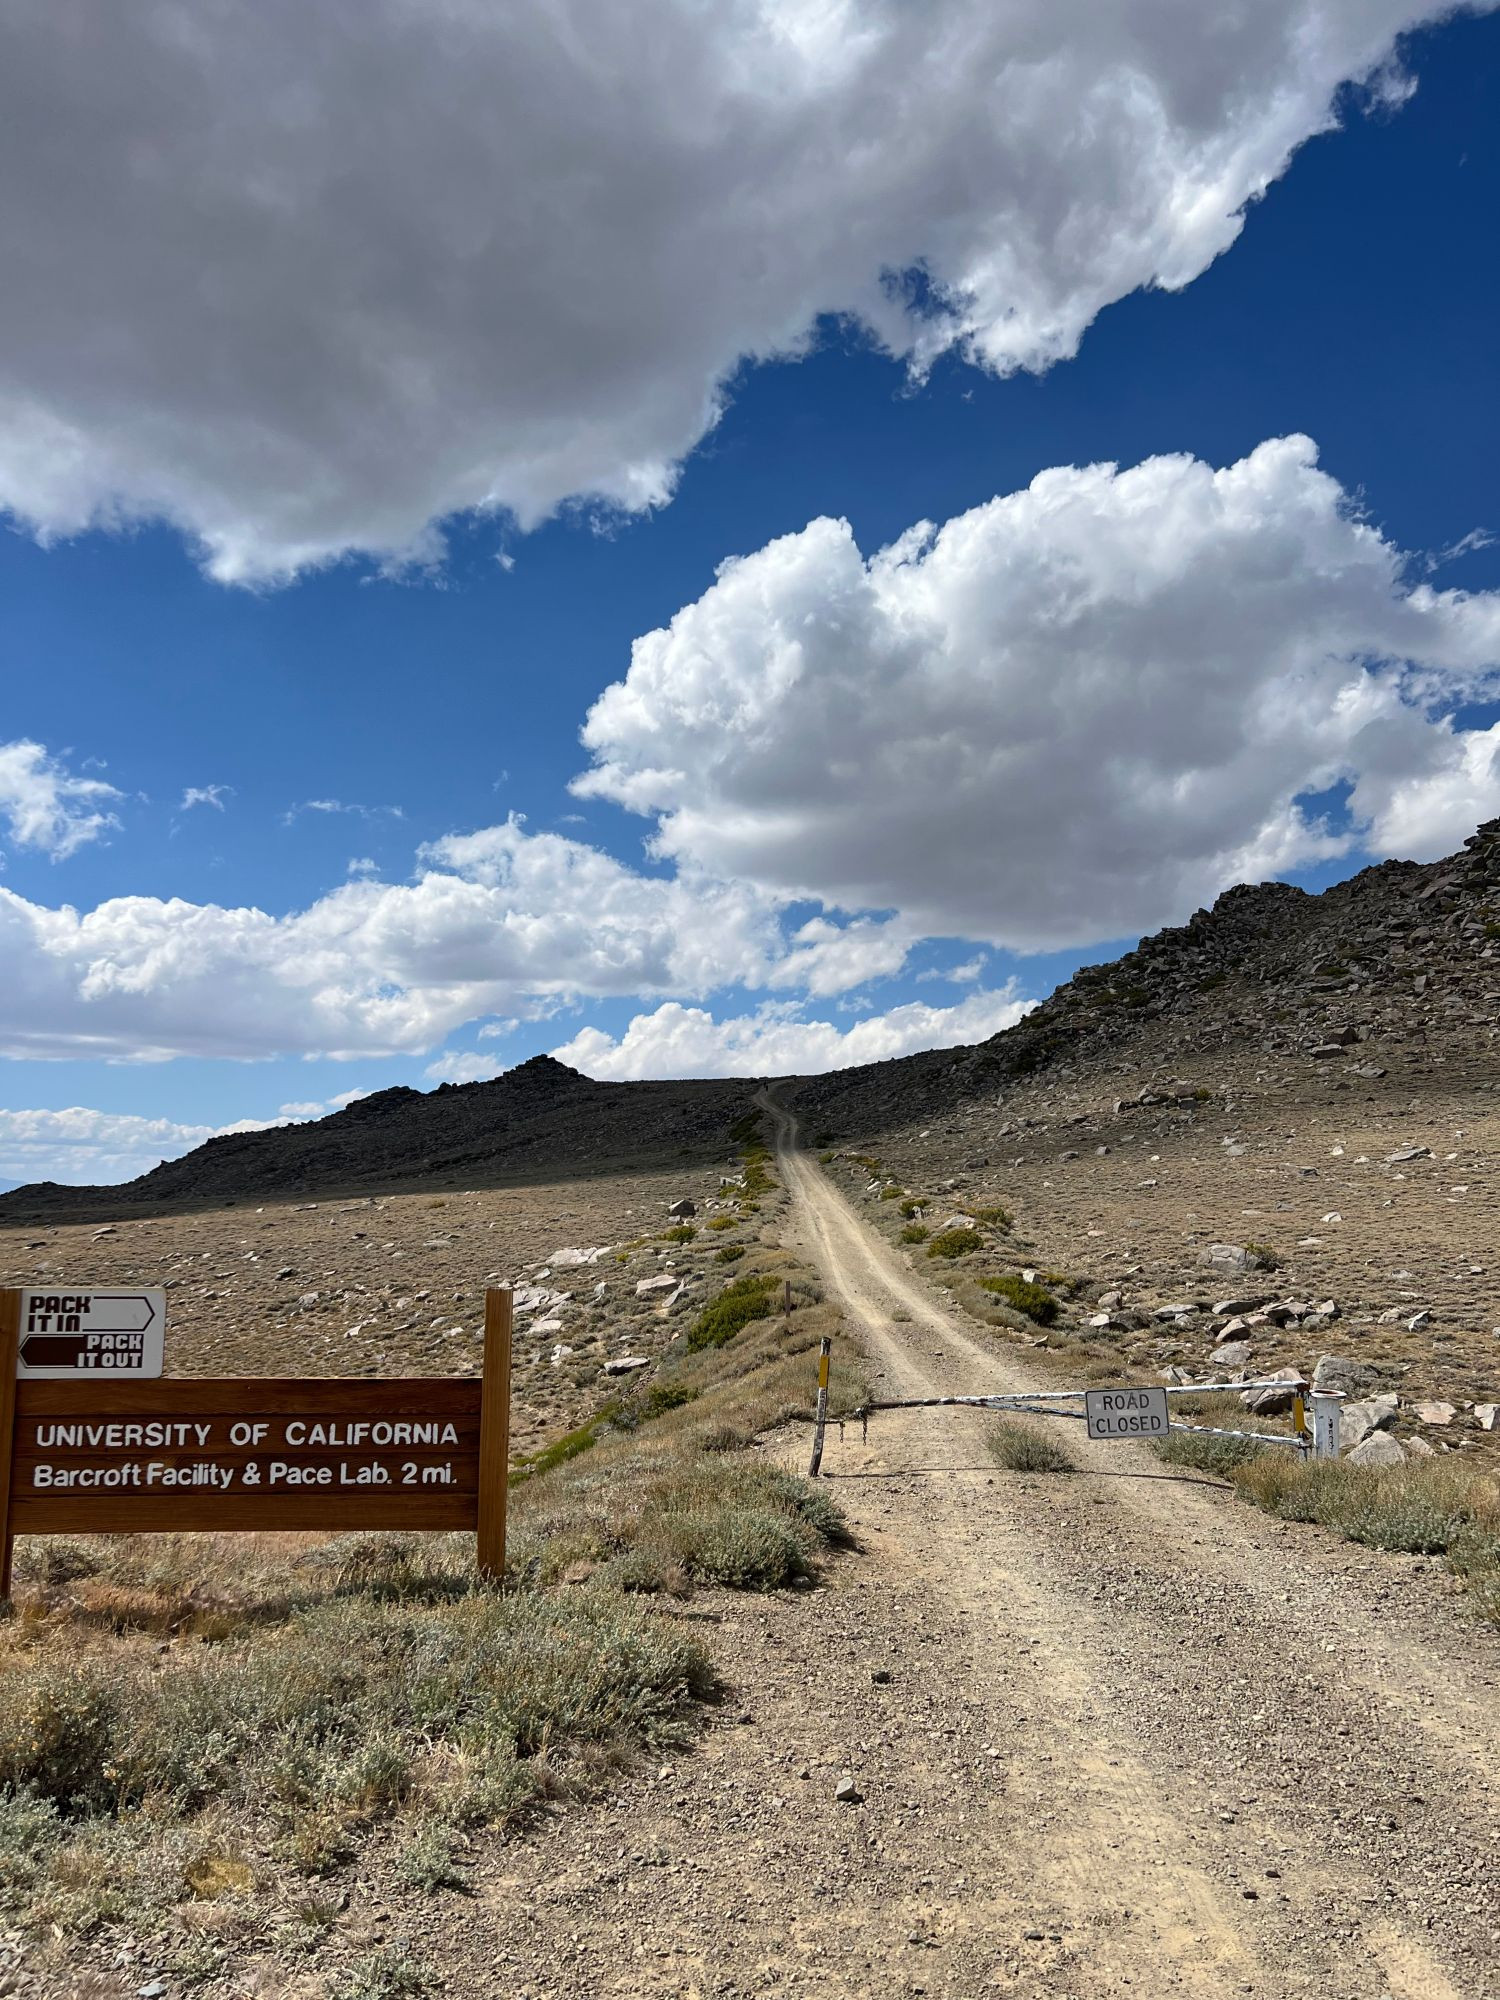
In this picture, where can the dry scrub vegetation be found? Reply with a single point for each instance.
(1436, 1506)
(198, 1734)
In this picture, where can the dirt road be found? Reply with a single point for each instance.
(1114, 1734)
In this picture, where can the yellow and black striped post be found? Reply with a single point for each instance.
(825, 1348)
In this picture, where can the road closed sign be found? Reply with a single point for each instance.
(1126, 1413)
(66, 1333)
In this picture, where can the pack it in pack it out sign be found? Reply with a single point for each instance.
(67, 1333)
(1126, 1413)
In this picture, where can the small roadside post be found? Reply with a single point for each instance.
(1327, 1405)
(820, 1421)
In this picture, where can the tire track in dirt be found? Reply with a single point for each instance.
(1227, 1770)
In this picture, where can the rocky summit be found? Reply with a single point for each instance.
(1400, 963)
(539, 1120)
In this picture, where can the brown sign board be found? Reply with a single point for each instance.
(104, 1455)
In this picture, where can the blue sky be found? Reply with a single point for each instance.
(361, 710)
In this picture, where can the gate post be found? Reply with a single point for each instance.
(494, 1433)
(825, 1348)
(1326, 1405)
(10, 1340)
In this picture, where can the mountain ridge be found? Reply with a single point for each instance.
(1402, 953)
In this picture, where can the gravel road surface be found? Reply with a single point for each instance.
(1112, 1733)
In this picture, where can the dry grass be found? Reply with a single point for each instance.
(1023, 1447)
(197, 1721)
(1447, 1506)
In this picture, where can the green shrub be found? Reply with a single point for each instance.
(682, 1232)
(740, 1302)
(892, 1194)
(999, 1217)
(730, 1254)
(426, 1861)
(914, 1232)
(955, 1242)
(664, 1396)
(1035, 1301)
(720, 1222)
(384, 1975)
(1218, 1455)
(1019, 1448)
(910, 1207)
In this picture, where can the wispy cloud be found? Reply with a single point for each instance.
(340, 806)
(205, 795)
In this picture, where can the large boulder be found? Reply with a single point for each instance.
(1230, 1356)
(1279, 1396)
(1358, 1420)
(1379, 1448)
(1337, 1374)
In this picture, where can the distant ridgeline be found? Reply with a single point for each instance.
(536, 1121)
(1403, 951)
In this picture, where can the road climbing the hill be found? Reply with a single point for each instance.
(1227, 1762)
(1109, 1736)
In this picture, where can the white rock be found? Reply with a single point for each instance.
(1434, 1413)
(1487, 1416)
(626, 1364)
(1379, 1448)
(664, 1281)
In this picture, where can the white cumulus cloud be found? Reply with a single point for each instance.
(1068, 715)
(497, 922)
(687, 1041)
(307, 279)
(47, 806)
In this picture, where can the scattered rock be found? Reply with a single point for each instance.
(1268, 1402)
(1337, 1374)
(1403, 1154)
(1230, 1354)
(1440, 1414)
(626, 1364)
(1379, 1448)
(1358, 1420)
(683, 1209)
(848, 1793)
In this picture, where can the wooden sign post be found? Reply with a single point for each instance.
(101, 1455)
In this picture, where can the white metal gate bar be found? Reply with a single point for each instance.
(1321, 1442)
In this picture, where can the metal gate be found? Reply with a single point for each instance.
(1315, 1412)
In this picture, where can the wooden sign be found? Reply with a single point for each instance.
(97, 1454)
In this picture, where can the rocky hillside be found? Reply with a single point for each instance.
(540, 1120)
(1401, 957)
